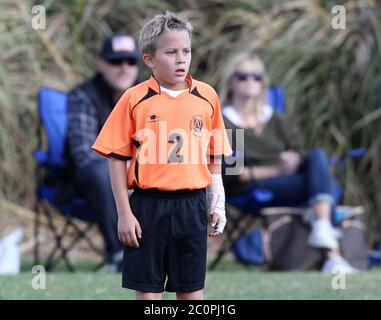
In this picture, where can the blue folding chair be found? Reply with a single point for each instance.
(239, 222)
(53, 185)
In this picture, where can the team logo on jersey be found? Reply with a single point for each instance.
(152, 117)
(196, 125)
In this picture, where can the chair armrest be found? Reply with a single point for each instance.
(40, 156)
(353, 153)
(42, 159)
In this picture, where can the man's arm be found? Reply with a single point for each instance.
(129, 230)
(83, 127)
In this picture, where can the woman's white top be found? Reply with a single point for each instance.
(265, 114)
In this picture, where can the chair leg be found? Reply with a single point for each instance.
(61, 250)
(58, 252)
(221, 252)
(67, 261)
(37, 225)
(100, 265)
(52, 262)
(239, 223)
(82, 233)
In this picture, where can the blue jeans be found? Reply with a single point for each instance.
(312, 183)
(93, 182)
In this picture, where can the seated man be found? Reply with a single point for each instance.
(89, 105)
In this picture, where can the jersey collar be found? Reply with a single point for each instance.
(154, 84)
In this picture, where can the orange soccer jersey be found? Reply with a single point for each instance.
(167, 138)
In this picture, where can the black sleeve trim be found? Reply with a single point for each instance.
(119, 157)
(149, 94)
(197, 94)
(217, 156)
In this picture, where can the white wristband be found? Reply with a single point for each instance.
(216, 201)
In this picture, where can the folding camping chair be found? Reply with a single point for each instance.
(52, 169)
(240, 222)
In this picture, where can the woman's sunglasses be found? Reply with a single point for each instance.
(244, 76)
(119, 62)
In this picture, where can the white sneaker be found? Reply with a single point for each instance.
(323, 235)
(337, 264)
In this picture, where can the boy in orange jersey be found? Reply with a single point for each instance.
(168, 126)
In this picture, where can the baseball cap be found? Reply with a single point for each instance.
(119, 46)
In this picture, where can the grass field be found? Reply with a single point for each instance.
(231, 281)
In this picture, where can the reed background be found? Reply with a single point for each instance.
(332, 77)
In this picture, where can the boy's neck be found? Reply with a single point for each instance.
(172, 93)
(177, 87)
(167, 89)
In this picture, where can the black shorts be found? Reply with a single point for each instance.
(172, 251)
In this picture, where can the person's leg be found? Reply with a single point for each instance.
(282, 191)
(144, 267)
(320, 183)
(139, 295)
(186, 251)
(94, 183)
(322, 209)
(321, 198)
(195, 295)
(311, 185)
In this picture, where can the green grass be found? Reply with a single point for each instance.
(231, 281)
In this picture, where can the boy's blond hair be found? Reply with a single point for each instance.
(152, 30)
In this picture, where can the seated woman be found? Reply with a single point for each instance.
(273, 155)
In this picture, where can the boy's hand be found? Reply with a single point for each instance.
(129, 230)
(216, 205)
(214, 222)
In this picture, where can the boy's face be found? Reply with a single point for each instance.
(172, 59)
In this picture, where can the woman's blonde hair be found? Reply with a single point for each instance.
(150, 33)
(225, 90)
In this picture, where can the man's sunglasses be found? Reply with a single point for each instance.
(244, 76)
(119, 62)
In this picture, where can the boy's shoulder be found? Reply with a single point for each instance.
(204, 88)
(137, 92)
(149, 87)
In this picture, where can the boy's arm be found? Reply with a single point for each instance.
(216, 196)
(129, 230)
